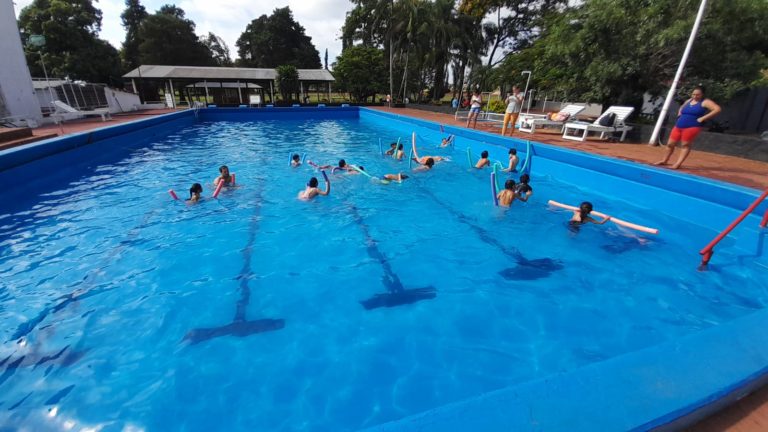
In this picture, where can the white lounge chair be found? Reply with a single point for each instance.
(621, 114)
(61, 107)
(528, 123)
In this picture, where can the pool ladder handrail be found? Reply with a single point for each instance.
(708, 250)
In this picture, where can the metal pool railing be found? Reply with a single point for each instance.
(708, 250)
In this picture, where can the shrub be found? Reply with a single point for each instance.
(497, 106)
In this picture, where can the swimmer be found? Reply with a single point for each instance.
(513, 161)
(342, 165)
(399, 177)
(483, 162)
(392, 148)
(581, 216)
(295, 160)
(447, 141)
(399, 153)
(523, 190)
(427, 162)
(312, 191)
(353, 171)
(508, 195)
(195, 192)
(223, 176)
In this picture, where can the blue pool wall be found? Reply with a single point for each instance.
(662, 386)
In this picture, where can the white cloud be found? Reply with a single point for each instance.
(322, 19)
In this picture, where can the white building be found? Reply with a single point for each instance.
(17, 94)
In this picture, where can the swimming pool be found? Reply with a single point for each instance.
(123, 308)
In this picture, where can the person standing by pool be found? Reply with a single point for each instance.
(514, 103)
(474, 108)
(691, 115)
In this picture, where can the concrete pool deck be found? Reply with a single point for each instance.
(731, 169)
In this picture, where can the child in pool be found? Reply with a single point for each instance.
(508, 195)
(582, 216)
(447, 141)
(295, 160)
(483, 162)
(523, 189)
(342, 165)
(194, 193)
(513, 161)
(392, 149)
(223, 176)
(312, 190)
(427, 162)
(399, 153)
(399, 177)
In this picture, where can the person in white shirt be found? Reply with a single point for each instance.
(514, 104)
(474, 108)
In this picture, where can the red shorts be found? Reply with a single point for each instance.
(684, 135)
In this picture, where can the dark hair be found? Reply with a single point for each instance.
(509, 184)
(361, 168)
(700, 87)
(403, 176)
(342, 163)
(400, 147)
(196, 188)
(512, 151)
(477, 91)
(484, 154)
(393, 144)
(584, 209)
(221, 170)
(525, 178)
(296, 157)
(312, 182)
(223, 167)
(429, 162)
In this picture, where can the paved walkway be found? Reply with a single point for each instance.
(88, 123)
(745, 172)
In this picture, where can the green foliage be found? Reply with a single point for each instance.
(287, 81)
(72, 48)
(131, 17)
(218, 48)
(361, 71)
(497, 106)
(167, 38)
(278, 39)
(612, 51)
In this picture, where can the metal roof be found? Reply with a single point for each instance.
(221, 73)
(216, 84)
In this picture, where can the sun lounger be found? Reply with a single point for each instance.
(529, 123)
(61, 107)
(578, 131)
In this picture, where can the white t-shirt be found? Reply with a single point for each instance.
(513, 104)
(477, 101)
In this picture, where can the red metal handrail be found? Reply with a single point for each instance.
(708, 251)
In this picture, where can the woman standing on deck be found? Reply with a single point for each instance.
(474, 108)
(514, 103)
(690, 117)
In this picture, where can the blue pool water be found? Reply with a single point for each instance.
(106, 282)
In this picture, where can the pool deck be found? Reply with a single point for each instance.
(731, 169)
(90, 123)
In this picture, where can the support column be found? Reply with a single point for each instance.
(173, 96)
(301, 92)
(133, 83)
(271, 93)
(329, 92)
(239, 93)
(205, 83)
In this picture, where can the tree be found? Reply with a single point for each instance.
(167, 38)
(71, 48)
(361, 71)
(326, 59)
(613, 51)
(287, 81)
(218, 49)
(269, 41)
(132, 16)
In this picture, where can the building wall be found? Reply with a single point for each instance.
(15, 82)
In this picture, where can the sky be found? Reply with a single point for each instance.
(322, 19)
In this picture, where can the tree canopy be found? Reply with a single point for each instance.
(271, 41)
(131, 17)
(287, 81)
(72, 47)
(361, 71)
(168, 38)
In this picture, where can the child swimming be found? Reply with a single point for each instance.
(513, 161)
(399, 153)
(447, 141)
(399, 177)
(523, 189)
(342, 165)
(427, 162)
(508, 195)
(483, 162)
(195, 192)
(582, 216)
(223, 176)
(312, 191)
(295, 160)
(392, 148)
